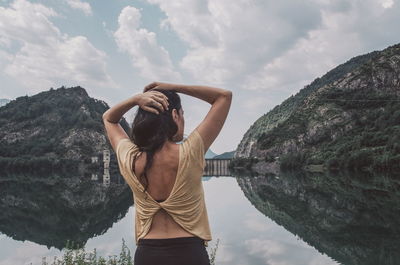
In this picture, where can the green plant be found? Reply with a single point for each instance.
(75, 255)
(213, 252)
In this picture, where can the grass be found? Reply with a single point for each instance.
(75, 255)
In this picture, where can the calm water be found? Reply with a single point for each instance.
(285, 219)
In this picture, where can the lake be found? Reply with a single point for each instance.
(290, 218)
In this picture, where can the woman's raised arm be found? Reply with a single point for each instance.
(219, 98)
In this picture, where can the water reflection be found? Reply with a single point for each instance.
(49, 210)
(354, 219)
(217, 167)
(246, 236)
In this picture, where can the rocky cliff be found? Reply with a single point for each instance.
(54, 126)
(350, 115)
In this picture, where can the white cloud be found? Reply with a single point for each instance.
(151, 59)
(276, 46)
(266, 246)
(225, 254)
(230, 41)
(83, 6)
(255, 224)
(387, 3)
(29, 253)
(276, 253)
(253, 103)
(4, 58)
(47, 57)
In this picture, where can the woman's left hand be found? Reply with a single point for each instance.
(153, 101)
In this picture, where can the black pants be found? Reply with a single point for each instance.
(171, 251)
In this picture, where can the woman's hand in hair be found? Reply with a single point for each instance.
(153, 101)
(161, 86)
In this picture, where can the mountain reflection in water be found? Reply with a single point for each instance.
(354, 219)
(49, 210)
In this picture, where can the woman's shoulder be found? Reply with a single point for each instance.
(194, 140)
(125, 151)
(125, 145)
(194, 146)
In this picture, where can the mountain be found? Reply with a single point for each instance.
(4, 101)
(209, 154)
(52, 129)
(225, 155)
(348, 118)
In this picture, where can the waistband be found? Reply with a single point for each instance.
(170, 241)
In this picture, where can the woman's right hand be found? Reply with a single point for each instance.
(153, 101)
(161, 86)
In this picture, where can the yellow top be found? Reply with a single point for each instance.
(185, 204)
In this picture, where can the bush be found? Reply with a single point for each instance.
(75, 255)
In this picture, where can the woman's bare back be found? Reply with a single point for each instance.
(161, 177)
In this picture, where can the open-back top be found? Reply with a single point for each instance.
(185, 204)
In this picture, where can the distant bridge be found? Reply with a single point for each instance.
(217, 167)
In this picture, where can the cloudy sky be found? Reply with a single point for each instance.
(262, 50)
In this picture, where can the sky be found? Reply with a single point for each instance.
(264, 51)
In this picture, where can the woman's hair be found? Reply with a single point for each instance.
(150, 131)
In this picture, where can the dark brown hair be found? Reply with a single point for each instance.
(150, 131)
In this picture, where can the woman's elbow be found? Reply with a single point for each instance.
(105, 114)
(227, 94)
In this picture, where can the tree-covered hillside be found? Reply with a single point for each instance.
(51, 129)
(349, 118)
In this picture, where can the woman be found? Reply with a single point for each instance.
(171, 222)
